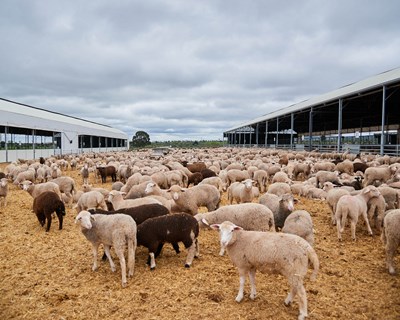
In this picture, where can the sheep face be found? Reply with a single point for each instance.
(176, 192)
(3, 182)
(85, 219)
(149, 188)
(226, 230)
(371, 191)
(287, 200)
(26, 185)
(248, 184)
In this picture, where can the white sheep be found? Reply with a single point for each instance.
(279, 188)
(4, 190)
(332, 197)
(189, 200)
(299, 222)
(91, 200)
(269, 252)
(281, 206)
(216, 182)
(118, 202)
(152, 188)
(324, 176)
(66, 185)
(391, 237)
(249, 216)
(376, 211)
(354, 206)
(117, 230)
(261, 177)
(381, 174)
(281, 176)
(35, 190)
(241, 192)
(235, 175)
(391, 196)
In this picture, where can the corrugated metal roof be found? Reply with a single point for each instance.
(384, 78)
(22, 115)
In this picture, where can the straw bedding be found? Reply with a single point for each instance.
(48, 276)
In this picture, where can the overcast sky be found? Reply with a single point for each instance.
(188, 70)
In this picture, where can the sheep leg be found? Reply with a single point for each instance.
(339, 229)
(107, 253)
(48, 222)
(196, 255)
(159, 249)
(131, 256)
(242, 280)
(390, 250)
(176, 247)
(365, 216)
(152, 261)
(60, 220)
(353, 224)
(302, 301)
(252, 277)
(120, 254)
(94, 250)
(190, 256)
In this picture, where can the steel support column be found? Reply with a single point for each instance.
(277, 134)
(339, 137)
(310, 127)
(266, 133)
(383, 119)
(291, 130)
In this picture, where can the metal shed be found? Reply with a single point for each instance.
(29, 132)
(362, 116)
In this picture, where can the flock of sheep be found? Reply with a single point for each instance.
(156, 200)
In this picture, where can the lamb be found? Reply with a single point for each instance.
(207, 173)
(66, 185)
(116, 230)
(324, 176)
(376, 211)
(241, 192)
(89, 187)
(45, 204)
(391, 237)
(153, 189)
(29, 175)
(194, 167)
(261, 177)
(332, 197)
(195, 178)
(250, 216)
(269, 252)
(235, 175)
(4, 190)
(216, 182)
(281, 207)
(354, 206)
(118, 202)
(117, 186)
(280, 176)
(85, 173)
(180, 227)
(55, 171)
(108, 171)
(301, 168)
(391, 197)
(91, 200)
(272, 170)
(381, 174)
(35, 190)
(189, 200)
(279, 188)
(299, 222)
(316, 193)
(345, 166)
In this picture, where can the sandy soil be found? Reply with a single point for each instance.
(48, 276)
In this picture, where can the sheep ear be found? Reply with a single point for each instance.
(92, 218)
(237, 228)
(215, 226)
(205, 222)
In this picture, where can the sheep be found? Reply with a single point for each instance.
(35, 190)
(207, 173)
(45, 204)
(189, 200)
(89, 187)
(66, 185)
(250, 216)
(195, 178)
(180, 227)
(118, 202)
(345, 166)
(116, 230)
(117, 186)
(281, 207)
(299, 222)
(91, 200)
(241, 192)
(324, 176)
(316, 193)
(323, 166)
(301, 168)
(55, 171)
(279, 188)
(4, 190)
(261, 177)
(108, 171)
(29, 175)
(216, 182)
(391, 237)
(280, 176)
(153, 189)
(356, 183)
(332, 197)
(269, 252)
(381, 174)
(376, 211)
(194, 167)
(354, 206)
(235, 175)
(85, 173)
(391, 197)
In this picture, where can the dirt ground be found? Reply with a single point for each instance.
(48, 276)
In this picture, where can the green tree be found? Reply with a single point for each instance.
(140, 139)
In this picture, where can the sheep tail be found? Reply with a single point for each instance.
(313, 258)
